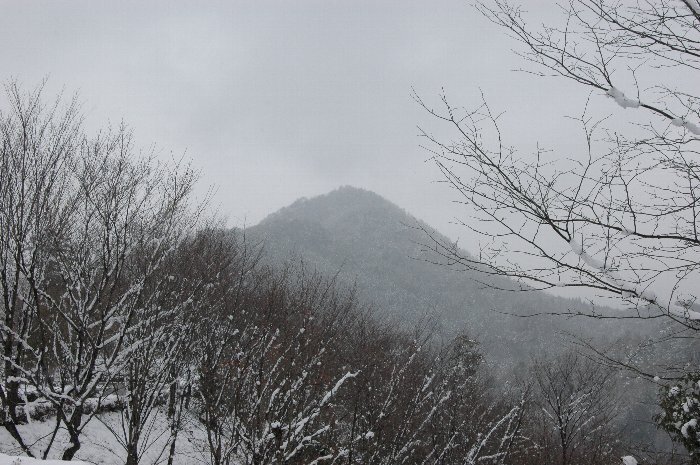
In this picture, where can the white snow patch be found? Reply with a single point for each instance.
(692, 423)
(592, 261)
(621, 99)
(587, 259)
(337, 386)
(682, 123)
(14, 460)
(629, 460)
(100, 447)
(625, 231)
(575, 246)
(648, 295)
(687, 405)
(687, 309)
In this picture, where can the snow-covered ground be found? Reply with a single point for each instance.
(101, 447)
(10, 460)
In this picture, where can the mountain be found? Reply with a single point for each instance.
(379, 247)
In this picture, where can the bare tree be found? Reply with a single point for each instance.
(574, 404)
(304, 375)
(620, 218)
(37, 150)
(89, 228)
(625, 213)
(160, 368)
(413, 402)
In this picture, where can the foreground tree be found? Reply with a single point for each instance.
(625, 212)
(620, 219)
(87, 228)
(574, 404)
(190, 286)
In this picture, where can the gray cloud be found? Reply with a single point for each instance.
(277, 100)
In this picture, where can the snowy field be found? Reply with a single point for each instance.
(10, 460)
(100, 446)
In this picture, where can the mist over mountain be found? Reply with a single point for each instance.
(374, 244)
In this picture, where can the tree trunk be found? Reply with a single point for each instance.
(69, 453)
(132, 456)
(73, 430)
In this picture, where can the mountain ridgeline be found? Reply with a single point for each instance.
(378, 247)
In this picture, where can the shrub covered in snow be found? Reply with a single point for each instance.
(680, 403)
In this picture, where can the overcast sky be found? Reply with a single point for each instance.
(275, 100)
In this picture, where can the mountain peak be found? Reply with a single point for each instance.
(342, 203)
(355, 192)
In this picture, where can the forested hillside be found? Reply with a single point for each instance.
(384, 250)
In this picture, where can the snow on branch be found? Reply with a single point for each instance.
(683, 123)
(621, 99)
(337, 386)
(626, 102)
(694, 5)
